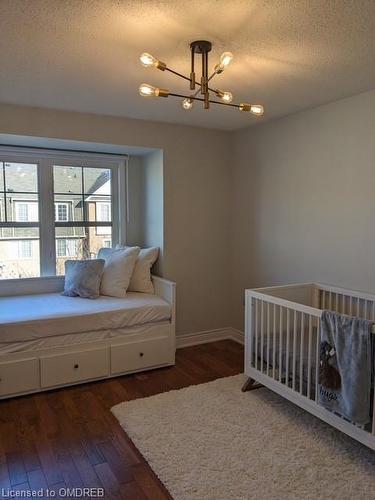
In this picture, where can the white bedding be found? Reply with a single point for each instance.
(75, 339)
(31, 317)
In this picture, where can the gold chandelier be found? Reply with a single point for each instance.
(202, 47)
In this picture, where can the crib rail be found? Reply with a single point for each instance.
(341, 301)
(283, 343)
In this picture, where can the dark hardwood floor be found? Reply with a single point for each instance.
(68, 438)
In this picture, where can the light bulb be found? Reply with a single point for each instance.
(187, 103)
(225, 59)
(148, 60)
(225, 96)
(257, 109)
(147, 90)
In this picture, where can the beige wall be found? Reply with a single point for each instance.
(196, 199)
(304, 199)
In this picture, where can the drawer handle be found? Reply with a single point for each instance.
(141, 354)
(76, 366)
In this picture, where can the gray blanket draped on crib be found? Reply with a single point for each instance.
(345, 366)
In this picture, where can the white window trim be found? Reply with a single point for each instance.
(45, 159)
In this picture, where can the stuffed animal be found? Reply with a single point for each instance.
(329, 376)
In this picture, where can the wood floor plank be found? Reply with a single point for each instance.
(69, 437)
(16, 468)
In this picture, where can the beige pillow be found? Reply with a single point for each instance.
(118, 269)
(141, 277)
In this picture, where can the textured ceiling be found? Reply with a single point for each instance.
(82, 55)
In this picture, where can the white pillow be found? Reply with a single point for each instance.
(141, 277)
(118, 269)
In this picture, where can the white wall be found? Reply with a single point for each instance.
(196, 198)
(303, 206)
(135, 190)
(153, 204)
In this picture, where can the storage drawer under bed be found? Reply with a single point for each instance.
(74, 367)
(19, 376)
(138, 355)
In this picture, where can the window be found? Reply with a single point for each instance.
(84, 189)
(25, 250)
(66, 248)
(61, 248)
(22, 212)
(107, 243)
(103, 211)
(19, 222)
(103, 214)
(80, 199)
(61, 212)
(26, 211)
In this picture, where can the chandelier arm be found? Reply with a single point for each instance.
(202, 100)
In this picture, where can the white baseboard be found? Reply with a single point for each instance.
(209, 336)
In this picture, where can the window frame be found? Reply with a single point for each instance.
(45, 159)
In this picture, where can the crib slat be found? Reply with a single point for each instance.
(252, 328)
(268, 337)
(323, 299)
(294, 349)
(330, 300)
(287, 347)
(365, 309)
(317, 360)
(350, 305)
(256, 334)
(281, 343)
(274, 343)
(261, 334)
(302, 350)
(309, 358)
(358, 314)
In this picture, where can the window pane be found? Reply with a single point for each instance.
(97, 181)
(2, 211)
(79, 243)
(67, 179)
(68, 208)
(19, 254)
(21, 177)
(2, 188)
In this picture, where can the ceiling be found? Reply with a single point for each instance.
(82, 55)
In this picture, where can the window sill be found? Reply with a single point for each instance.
(30, 286)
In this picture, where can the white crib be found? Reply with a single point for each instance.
(282, 344)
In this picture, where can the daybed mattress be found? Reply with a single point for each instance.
(76, 339)
(33, 317)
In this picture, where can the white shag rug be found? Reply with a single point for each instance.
(213, 442)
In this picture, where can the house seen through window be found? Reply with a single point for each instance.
(77, 214)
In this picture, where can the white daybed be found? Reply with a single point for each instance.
(48, 340)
